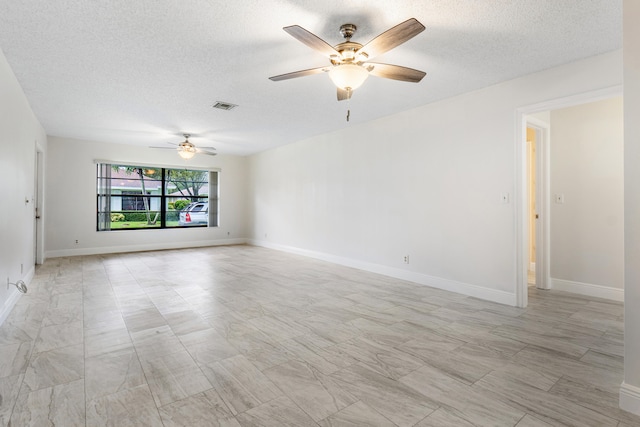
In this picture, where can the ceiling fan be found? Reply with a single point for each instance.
(350, 64)
(187, 150)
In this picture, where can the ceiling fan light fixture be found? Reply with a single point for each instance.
(348, 76)
(186, 151)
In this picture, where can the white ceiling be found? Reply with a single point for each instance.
(144, 71)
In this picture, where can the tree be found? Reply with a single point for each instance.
(187, 182)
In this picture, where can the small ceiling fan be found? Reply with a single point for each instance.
(187, 150)
(350, 64)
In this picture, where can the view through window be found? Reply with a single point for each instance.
(141, 197)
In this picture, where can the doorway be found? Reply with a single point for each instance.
(537, 185)
(38, 199)
(532, 117)
(531, 197)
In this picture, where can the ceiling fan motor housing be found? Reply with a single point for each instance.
(347, 52)
(348, 30)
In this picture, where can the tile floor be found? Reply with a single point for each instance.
(246, 336)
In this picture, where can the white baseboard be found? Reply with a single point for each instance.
(411, 276)
(8, 305)
(143, 247)
(588, 289)
(630, 398)
(29, 276)
(14, 295)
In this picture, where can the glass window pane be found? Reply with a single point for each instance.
(188, 184)
(213, 199)
(123, 217)
(195, 213)
(172, 210)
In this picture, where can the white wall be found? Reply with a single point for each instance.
(543, 116)
(630, 391)
(587, 230)
(71, 196)
(20, 131)
(426, 182)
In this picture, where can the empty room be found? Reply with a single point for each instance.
(298, 213)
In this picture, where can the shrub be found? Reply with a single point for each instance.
(116, 217)
(180, 204)
(170, 205)
(136, 216)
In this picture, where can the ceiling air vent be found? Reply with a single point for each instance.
(224, 105)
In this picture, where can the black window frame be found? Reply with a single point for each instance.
(105, 196)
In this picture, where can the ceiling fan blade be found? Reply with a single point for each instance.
(174, 146)
(344, 94)
(392, 37)
(311, 40)
(205, 148)
(208, 153)
(164, 148)
(395, 72)
(301, 73)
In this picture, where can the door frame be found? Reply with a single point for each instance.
(522, 210)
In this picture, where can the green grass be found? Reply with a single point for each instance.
(120, 225)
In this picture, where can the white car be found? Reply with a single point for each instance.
(196, 213)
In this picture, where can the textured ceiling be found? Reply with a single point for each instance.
(144, 71)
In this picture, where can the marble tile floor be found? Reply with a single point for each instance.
(247, 336)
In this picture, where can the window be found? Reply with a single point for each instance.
(133, 203)
(140, 197)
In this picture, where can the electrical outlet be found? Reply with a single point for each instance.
(76, 241)
(406, 259)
